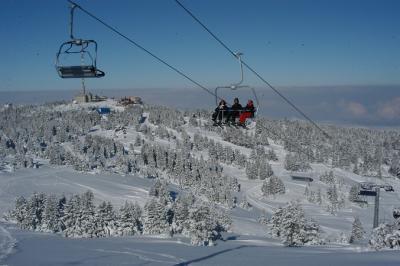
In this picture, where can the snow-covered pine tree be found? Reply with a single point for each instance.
(289, 224)
(357, 231)
(307, 191)
(105, 220)
(86, 219)
(381, 236)
(355, 169)
(271, 155)
(319, 197)
(155, 219)
(20, 212)
(296, 162)
(205, 225)
(333, 197)
(35, 210)
(71, 215)
(263, 218)
(180, 208)
(79, 216)
(138, 140)
(129, 219)
(311, 197)
(328, 178)
(395, 167)
(244, 204)
(273, 186)
(251, 170)
(160, 190)
(264, 169)
(53, 210)
(353, 193)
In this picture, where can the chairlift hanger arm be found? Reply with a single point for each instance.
(238, 56)
(71, 22)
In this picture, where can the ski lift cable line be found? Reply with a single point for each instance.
(141, 47)
(253, 71)
(171, 67)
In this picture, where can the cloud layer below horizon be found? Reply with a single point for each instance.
(376, 106)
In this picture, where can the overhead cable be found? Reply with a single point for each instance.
(254, 71)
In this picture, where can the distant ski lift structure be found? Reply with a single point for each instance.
(87, 49)
(302, 178)
(239, 86)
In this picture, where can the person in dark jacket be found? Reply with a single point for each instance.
(220, 112)
(235, 110)
(248, 112)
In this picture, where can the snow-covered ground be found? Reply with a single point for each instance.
(49, 249)
(249, 243)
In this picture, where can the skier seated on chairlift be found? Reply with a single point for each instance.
(248, 112)
(235, 110)
(220, 112)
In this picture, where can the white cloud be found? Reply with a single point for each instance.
(355, 109)
(390, 110)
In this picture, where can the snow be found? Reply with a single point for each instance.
(64, 180)
(248, 243)
(7, 243)
(49, 249)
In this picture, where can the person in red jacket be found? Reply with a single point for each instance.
(248, 112)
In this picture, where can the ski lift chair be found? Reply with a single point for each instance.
(83, 70)
(78, 46)
(237, 86)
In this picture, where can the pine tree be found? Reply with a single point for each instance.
(202, 226)
(155, 218)
(354, 193)
(129, 219)
(180, 208)
(105, 220)
(290, 225)
(273, 186)
(395, 167)
(52, 215)
(355, 169)
(79, 218)
(71, 215)
(264, 170)
(251, 170)
(160, 190)
(20, 212)
(245, 204)
(380, 237)
(319, 197)
(332, 195)
(271, 155)
(34, 212)
(357, 232)
(307, 191)
(138, 141)
(86, 220)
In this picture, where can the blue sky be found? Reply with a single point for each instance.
(318, 43)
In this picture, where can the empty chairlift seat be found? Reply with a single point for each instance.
(79, 72)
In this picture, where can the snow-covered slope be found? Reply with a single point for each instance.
(248, 242)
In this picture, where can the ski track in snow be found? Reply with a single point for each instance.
(7, 243)
(147, 255)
